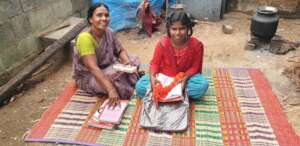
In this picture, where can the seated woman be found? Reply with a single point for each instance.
(147, 20)
(177, 52)
(97, 49)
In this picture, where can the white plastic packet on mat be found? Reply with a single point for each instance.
(125, 68)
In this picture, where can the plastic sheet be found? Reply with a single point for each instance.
(123, 12)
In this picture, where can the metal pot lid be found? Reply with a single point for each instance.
(267, 10)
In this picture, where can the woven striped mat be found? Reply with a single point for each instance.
(239, 109)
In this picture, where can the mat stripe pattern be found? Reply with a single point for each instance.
(239, 109)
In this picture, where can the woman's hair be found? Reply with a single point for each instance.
(180, 16)
(91, 10)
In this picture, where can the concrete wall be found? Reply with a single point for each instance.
(284, 6)
(204, 9)
(21, 21)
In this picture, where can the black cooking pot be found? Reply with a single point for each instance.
(264, 23)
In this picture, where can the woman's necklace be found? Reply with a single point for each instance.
(96, 37)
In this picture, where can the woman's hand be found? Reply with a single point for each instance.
(114, 98)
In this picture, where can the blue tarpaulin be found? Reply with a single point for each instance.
(123, 12)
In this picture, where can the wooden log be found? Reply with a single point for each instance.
(8, 89)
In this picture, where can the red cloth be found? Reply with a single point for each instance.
(161, 92)
(188, 60)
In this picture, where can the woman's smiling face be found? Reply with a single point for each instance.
(100, 18)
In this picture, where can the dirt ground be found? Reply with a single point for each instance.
(221, 50)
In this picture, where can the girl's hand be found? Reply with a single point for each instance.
(154, 82)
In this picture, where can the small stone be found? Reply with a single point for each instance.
(12, 99)
(293, 99)
(227, 29)
(41, 100)
(250, 46)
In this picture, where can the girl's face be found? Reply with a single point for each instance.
(178, 32)
(100, 18)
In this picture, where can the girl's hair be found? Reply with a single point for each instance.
(91, 10)
(180, 16)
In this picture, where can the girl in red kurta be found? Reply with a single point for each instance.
(177, 52)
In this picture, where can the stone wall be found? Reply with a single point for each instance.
(21, 21)
(285, 6)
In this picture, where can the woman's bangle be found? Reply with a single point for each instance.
(111, 90)
(127, 63)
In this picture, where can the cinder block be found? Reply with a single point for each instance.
(1, 66)
(62, 9)
(21, 26)
(29, 5)
(16, 53)
(41, 18)
(12, 62)
(9, 8)
(7, 35)
(9, 56)
(29, 45)
(78, 5)
(3, 74)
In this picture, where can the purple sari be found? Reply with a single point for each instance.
(107, 54)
